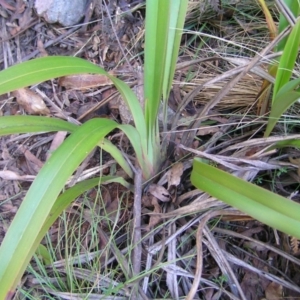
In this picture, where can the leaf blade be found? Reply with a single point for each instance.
(281, 104)
(36, 206)
(287, 60)
(45, 68)
(30, 124)
(263, 205)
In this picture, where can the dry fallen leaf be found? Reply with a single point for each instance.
(56, 142)
(274, 291)
(295, 244)
(10, 175)
(31, 102)
(174, 174)
(159, 192)
(33, 163)
(84, 81)
(207, 130)
(154, 219)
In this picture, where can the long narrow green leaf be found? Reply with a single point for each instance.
(287, 60)
(288, 87)
(281, 104)
(29, 124)
(36, 206)
(143, 160)
(64, 200)
(135, 107)
(164, 22)
(286, 143)
(41, 69)
(177, 17)
(294, 7)
(109, 147)
(45, 68)
(263, 205)
(157, 27)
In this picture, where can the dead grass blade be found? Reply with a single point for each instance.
(199, 236)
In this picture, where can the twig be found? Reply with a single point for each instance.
(137, 211)
(199, 264)
(223, 263)
(284, 9)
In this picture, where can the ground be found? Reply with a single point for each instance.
(88, 248)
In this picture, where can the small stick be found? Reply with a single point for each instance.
(136, 232)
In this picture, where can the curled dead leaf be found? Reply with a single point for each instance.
(154, 219)
(274, 291)
(56, 142)
(295, 245)
(207, 130)
(31, 102)
(147, 200)
(10, 175)
(159, 192)
(84, 81)
(174, 174)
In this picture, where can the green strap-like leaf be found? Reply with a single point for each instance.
(134, 137)
(15, 251)
(177, 18)
(287, 60)
(64, 200)
(164, 23)
(157, 28)
(29, 124)
(288, 87)
(109, 147)
(45, 68)
(283, 144)
(281, 104)
(261, 204)
(294, 7)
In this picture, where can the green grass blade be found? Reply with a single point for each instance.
(109, 147)
(45, 68)
(15, 251)
(41, 69)
(42, 251)
(177, 18)
(28, 124)
(286, 143)
(135, 107)
(164, 22)
(157, 27)
(288, 87)
(64, 200)
(281, 104)
(141, 154)
(294, 7)
(263, 205)
(287, 60)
